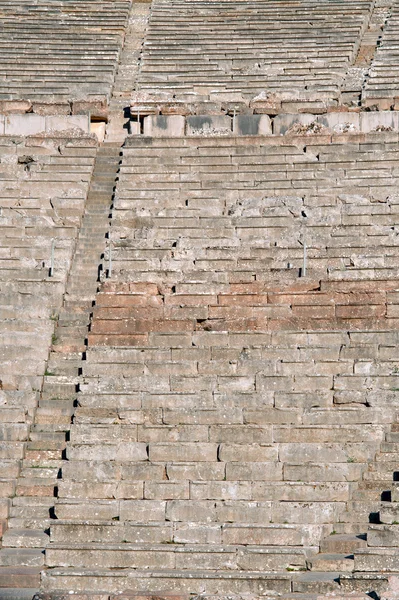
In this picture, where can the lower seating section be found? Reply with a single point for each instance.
(298, 50)
(237, 391)
(58, 51)
(381, 88)
(44, 183)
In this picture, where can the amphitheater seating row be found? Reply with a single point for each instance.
(299, 51)
(57, 51)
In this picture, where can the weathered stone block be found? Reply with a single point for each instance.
(164, 126)
(252, 125)
(61, 123)
(208, 125)
(27, 124)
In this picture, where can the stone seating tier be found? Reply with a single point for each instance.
(381, 87)
(301, 51)
(73, 48)
(232, 408)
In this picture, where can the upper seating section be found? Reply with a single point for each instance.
(298, 50)
(57, 51)
(382, 85)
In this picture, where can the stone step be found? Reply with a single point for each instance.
(21, 557)
(132, 527)
(364, 581)
(383, 535)
(18, 593)
(377, 560)
(24, 538)
(19, 577)
(345, 544)
(213, 582)
(389, 512)
(316, 582)
(35, 486)
(35, 512)
(331, 562)
(175, 556)
(38, 472)
(29, 522)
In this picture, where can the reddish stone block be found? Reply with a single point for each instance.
(117, 313)
(190, 299)
(243, 299)
(117, 340)
(126, 300)
(360, 312)
(314, 312)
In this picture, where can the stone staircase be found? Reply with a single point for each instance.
(126, 78)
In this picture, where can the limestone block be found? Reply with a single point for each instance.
(100, 509)
(378, 559)
(395, 493)
(24, 124)
(252, 125)
(96, 107)
(50, 108)
(247, 453)
(243, 511)
(208, 125)
(99, 130)
(61, 123)
(197, 533)
(254, 471)
(191, 511)
(282, 123)
(15, 106)
(141, 512)
(202, 471)
(164, 126)
(166, 490)
(2, 124)
(183, 451)
(306, 512)
(271, 535)
(379, 121)
(340, 122)
(271, 559)
(383, 535)
(389, 512)
(134, 128)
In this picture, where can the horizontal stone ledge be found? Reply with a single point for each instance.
(295, 124)
(33, 124)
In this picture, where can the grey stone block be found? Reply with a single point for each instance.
(61, 123)
(24, 124)
(208, 125)
(252, 125)
(164, 126)
(282, 123)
